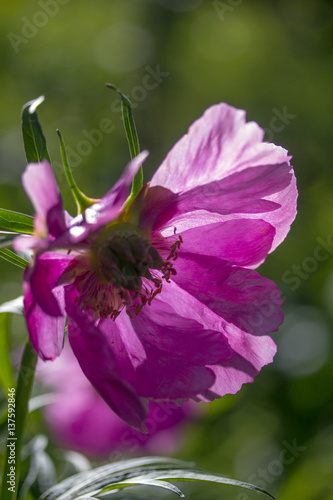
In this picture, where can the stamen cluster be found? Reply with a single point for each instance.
(128, 269)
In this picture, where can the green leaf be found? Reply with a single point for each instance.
(33, 137)
(132, 139)
(11, 257)
(145, 471)
(6, 371)
(15, 221)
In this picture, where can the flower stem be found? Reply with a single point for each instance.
(24, 385)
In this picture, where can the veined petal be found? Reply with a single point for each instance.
(243, 192)
(250, 352)
(222, 169)
(244, 242)
(177, 351)
(216, 145)
(46, 332)
(241, 296)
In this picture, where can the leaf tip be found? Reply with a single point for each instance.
(35, 103)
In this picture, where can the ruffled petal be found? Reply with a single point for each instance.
(250, 352)
(216, 145)
(244, 242)
(46, 332)
(221, 170)
(93, 346)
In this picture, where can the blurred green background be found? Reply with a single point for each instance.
(272, 58)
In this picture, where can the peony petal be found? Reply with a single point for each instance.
(244, 242)
(242, 192)
(40, 185)
(46, 332)
(43, 279)
(177, 350)
(250, 352)
(240, 296)
(93, 347)
(222, 167)
(216, 145)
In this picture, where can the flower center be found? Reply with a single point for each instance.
(129, 266)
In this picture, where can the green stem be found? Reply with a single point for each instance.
(23, 390)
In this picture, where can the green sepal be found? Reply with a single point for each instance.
(132, 139)
(33, 137)
(82, 201)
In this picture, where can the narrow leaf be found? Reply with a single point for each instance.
(33, 137)
(89, 481)
(14, 221)
(140, 481)
(146, 471)
(6, 371)
(129, 124)
(11, 257)
(203, 476)
(132, 138)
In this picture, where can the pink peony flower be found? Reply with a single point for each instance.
(161, 297)
(80, 420)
